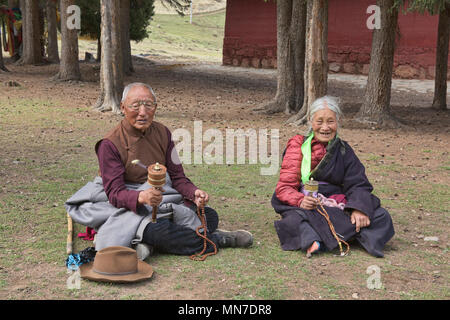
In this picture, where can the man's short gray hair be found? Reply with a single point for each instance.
(136, 84)
(329, 102)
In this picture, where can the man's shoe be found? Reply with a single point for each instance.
(143, 251)
(234, 239)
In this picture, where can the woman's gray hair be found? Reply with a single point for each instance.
(136, 84)
(329, 102)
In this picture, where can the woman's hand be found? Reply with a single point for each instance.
(309, 203)
(151, 196)
(360, 219)
(201, 197)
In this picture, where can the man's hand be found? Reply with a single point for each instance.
(309, 203)
(360, 219)
(151, 196)
(201, 197)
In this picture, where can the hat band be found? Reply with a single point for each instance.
(114, 274)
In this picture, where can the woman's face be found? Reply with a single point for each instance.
(324, 125)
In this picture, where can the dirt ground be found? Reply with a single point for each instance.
(222, 97)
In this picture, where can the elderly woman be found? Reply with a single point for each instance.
(344, 190)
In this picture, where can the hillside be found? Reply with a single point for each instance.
(173, 37)
(198, 6)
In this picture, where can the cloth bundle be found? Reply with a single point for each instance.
(337, 201)
(75, 260)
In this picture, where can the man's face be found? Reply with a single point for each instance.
(139, 107)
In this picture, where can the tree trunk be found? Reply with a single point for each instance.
(31, 33)
(69, 67)
(111, 70)
(125, 36)
(116, 43)
(41, 18)
(52, 45)
(440, 80)
(316, 58)
(99, 49)
(291, 32)
(375, 109)
(2, 63)
(12, 3)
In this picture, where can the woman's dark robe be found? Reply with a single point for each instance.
(344, 174)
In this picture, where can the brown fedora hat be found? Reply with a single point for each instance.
(116, 264)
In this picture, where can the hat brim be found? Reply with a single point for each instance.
(145, 271)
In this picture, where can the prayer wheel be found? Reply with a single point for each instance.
(311, 188)
(157, 179)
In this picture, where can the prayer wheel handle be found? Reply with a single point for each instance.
(157, 179)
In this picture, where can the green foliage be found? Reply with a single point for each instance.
(90, 18)
(431, 6)
(141, 13)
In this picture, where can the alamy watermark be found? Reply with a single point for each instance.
(74, 279)
(374, 20)
(374, 280)
(73, 17)
(214, 153)
(237, 146)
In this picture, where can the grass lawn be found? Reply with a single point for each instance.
(47, 137)
(45, 164)
(172, 36)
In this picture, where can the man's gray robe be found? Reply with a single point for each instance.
(90, 207)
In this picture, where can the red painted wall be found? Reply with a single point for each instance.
(250, 33)
(250, 38)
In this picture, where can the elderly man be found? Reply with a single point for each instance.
(126, 219)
